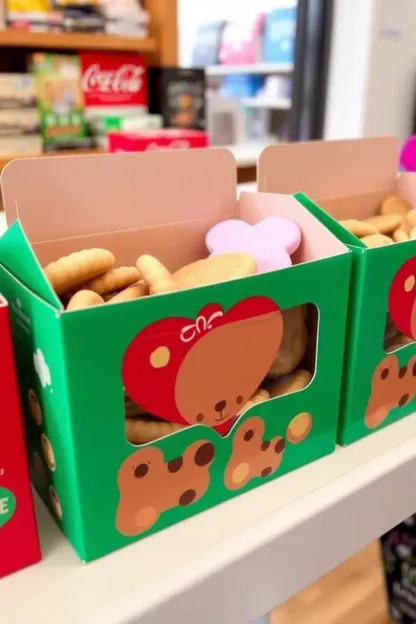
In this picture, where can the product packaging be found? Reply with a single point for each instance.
(196, 356)
(399, 561)
(59, 96)
(19, 544)
(166, 138)
(351, 180)
(179, 96)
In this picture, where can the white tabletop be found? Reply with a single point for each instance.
(236, 561)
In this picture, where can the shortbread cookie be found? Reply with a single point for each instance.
(215, 269)
(145, 428)
(136, 291)
(400, 235)
(294, 343)
(288, 384)
(359, 228)
(70, 272)
(395, 205)
(299, 428)
(412, 233)
(386, 223)
(84, 299)
(260, 396)
(131, 409)
(155, 275)
(411, 218)
(377, 240)
(114, 280)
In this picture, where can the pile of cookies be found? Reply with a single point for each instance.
(89, 277)
(395, 223)
(286, 375)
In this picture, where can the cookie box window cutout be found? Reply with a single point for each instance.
(373, 211)
(217, 398)
(158, 341)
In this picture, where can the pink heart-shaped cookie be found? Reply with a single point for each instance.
(271, 241)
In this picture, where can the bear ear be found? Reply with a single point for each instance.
(150, 365)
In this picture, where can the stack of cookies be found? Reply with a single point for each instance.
(395, 223)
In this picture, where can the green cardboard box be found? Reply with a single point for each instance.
(103, 491)
(348, 180)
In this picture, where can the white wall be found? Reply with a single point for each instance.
(372, 79)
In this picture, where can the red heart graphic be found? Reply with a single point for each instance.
(203, 370)
(402, 299)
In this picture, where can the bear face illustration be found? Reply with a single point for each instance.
(216, 377)
(203, 370)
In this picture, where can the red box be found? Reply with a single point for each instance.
(241, 41)
(167, 138)
(19, 544)
(114, 79)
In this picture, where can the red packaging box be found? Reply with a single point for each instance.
(167, 138)
(113, 79)
(241, 41)
(19, 544)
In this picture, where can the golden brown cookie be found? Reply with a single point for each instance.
(131, 409)
(359, 228)
(395, 205)
(411, 218)
(386, 223)
(35, 408)
(294, 343)
(400, 235)
(290, 383)
(260, 396)
(146, 428)
(215, 269)
(56, 503)
(113, 281)
(412, 233)
(70, 272)
(136, 291)
(299, 428)
(48, 453)
(377, 240)
(155, 275)
(84, 299)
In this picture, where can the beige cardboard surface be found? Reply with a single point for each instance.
(68, 196)
(324, 169)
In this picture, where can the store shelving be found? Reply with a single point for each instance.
(236, 561)
(254, 68)
(261, 102)
(74, 41)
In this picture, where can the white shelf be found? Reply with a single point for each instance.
(235, 561)
(278, 103)
(254, 68)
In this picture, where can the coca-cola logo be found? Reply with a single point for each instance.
(127, 78)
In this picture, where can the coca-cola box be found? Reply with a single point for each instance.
(178, 95)
(147, 415)
(398, 548)
(166, 138)
(19, 545)
(113, 83)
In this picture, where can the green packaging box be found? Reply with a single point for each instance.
(103, 491)
(348, 180)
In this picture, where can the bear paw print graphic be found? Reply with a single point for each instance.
(203, 370)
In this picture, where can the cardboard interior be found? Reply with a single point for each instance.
(137, 216)
(328, 169)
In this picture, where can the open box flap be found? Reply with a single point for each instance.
(323, 169)
(17, 256)
(69, 196)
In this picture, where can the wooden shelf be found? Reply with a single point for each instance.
(74, 41)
